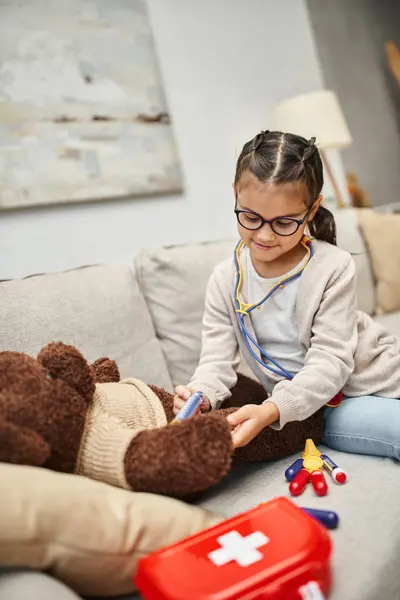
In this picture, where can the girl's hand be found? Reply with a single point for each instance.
(182, 396)
(249, 420)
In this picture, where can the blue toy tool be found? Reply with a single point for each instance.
(190, 408)
(327, 517)
(294, 468)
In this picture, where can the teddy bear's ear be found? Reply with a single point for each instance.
(106, 370)
(67, 363)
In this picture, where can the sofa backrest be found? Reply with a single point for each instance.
(173, 281)
(153, 333)
(350, 239)
(98, 309)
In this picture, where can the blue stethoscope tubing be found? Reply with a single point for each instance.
(244, 310)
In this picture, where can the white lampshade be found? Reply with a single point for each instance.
(317, 114)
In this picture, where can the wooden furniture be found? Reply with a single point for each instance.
(393, 58)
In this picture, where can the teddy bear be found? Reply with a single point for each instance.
(59, 412)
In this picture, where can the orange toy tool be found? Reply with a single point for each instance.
(311, 471)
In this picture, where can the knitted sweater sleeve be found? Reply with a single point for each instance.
(216, 373)
(329, 361)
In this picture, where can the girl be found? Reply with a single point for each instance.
(288, 303)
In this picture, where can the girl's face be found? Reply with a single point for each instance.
(272, 201)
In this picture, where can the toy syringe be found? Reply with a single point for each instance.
(190, 408)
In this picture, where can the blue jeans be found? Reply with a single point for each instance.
(364, 425)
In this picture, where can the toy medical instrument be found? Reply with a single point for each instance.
(327, 517)
(274, 551)
(309, 471)
(292, 471)
(337, 474)
(243, 310)
(190, 408)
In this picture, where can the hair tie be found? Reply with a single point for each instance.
(310, 149)
(259, 139)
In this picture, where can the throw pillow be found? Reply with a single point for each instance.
(173, 281)
(87, 534)
(381, 232)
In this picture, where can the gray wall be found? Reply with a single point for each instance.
(350, 37)
(224, 65)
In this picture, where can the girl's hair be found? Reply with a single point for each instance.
(286, 158)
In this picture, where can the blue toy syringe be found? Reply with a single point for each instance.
(190, 408)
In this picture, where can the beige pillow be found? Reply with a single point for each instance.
(381, 232)
(87, 534)
(173, 281)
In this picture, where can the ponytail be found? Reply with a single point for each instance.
(323, 226)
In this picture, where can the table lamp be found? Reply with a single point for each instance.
(317, 114)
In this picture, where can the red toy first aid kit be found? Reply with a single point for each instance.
(274, 551)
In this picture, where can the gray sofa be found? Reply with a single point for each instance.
(147, 316)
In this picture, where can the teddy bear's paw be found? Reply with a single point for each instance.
(181, 459)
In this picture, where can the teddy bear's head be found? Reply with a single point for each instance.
(43, 405)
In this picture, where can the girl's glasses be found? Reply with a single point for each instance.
(280, 225)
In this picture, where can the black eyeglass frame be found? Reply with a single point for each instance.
(270, 222)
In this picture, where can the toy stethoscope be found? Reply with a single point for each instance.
(243, 310)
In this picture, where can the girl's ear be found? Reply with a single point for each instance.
(315, 207)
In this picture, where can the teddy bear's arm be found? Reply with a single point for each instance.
(20, 445)
(181, 459)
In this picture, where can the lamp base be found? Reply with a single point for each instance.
(339, 198)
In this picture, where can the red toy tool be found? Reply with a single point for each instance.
(275, 551)
(309, 469)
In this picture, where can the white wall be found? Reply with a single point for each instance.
(224, 62)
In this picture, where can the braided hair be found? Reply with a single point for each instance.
(287, 158)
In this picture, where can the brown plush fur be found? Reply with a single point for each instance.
(43, 407)
(28, 447)
(48, 402)
(158, 460)
(166, 399)
(272, 445)
(106, 370)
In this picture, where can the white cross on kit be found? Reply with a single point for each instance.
(244, 550)
(311, 591)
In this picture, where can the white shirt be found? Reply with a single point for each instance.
(274, 322)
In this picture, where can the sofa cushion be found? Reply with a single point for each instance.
(17, 583)
(382, 234)
(88, 534)
(366, 545)
(98, 309)
(349, 238)
(391, 322)
(173, 281)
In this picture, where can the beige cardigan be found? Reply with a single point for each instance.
(345, 349)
